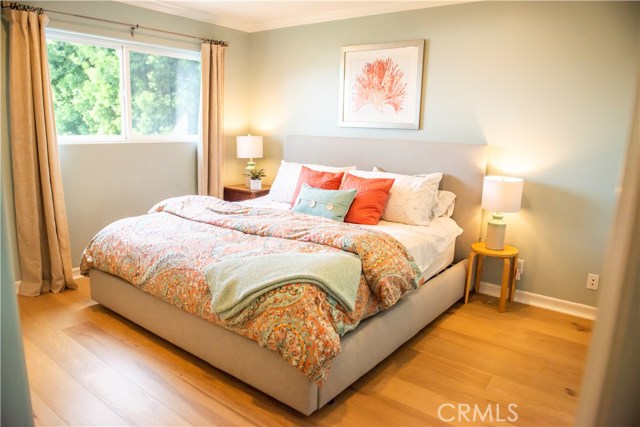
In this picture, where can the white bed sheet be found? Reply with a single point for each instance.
(431, 246)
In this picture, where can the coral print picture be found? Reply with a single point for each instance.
(381, 85)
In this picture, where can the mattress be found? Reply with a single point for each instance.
(432, 246)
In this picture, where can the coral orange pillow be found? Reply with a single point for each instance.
(317, 179)
(371, 196)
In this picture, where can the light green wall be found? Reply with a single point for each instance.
(106, 182)
(547, 85)
(6, 188)
(14, 388)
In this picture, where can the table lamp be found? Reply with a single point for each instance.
(249, 147)
(500, 194)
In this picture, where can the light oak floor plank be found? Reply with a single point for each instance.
(70, 400)
(43, 415)
(191, 376)
(164, 384)
(89, 366)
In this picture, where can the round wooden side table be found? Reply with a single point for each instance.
(510, 256)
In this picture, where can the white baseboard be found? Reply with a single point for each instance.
(491, 289)
(536, 300)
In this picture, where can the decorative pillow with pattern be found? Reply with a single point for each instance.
(411, 198)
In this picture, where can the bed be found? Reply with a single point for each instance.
(463, 167)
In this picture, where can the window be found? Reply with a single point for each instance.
(108, 91)
(165, 94)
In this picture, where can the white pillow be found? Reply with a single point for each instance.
(284, 185)
(444, 205)
(411, 198)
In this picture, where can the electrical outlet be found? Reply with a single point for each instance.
(592, 281)
(520, 269)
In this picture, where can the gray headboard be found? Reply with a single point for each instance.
(463, 167)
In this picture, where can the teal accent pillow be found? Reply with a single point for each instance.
(332, 204)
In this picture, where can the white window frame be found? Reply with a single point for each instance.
(123, 48)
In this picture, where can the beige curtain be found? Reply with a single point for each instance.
(41, 219)
(211, 147)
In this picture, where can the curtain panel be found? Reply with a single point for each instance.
(41, 218)
(211, 147)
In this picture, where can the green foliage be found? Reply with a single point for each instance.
(85, 79)
(86, 88)
(256, 174)
(165, 94)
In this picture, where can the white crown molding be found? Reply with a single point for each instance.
(355, 12)
(537, 300)
(250, 26)
(174, 8)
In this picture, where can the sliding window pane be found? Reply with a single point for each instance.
(165, 95)
(85, 81)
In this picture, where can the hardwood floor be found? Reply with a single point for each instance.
(89, 366)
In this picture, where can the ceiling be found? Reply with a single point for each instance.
(252, 16)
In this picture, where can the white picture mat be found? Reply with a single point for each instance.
(408, 57)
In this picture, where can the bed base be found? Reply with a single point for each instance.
(362, 349)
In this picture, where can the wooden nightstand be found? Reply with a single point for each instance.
(510, 256)
(237, 193)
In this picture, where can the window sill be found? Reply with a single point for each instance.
(127, 142)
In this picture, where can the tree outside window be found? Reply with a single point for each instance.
(91, 85)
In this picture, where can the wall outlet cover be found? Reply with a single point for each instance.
(592, 281)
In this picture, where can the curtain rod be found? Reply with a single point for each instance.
(132, 27)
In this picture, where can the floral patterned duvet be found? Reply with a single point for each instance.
(167, 251)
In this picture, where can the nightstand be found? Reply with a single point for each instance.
(237, 193)
(509, 255)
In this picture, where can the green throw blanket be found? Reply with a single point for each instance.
(235, 283)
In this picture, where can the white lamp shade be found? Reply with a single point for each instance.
(502, 194)
(249, 147)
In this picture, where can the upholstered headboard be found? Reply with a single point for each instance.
(463, 167)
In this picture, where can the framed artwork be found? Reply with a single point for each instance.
(381, 85)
